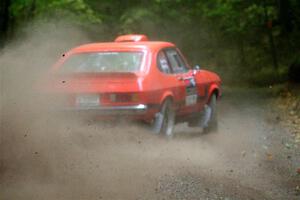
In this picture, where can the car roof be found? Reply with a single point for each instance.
(122, 46)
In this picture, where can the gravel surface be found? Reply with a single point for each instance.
(60, 157)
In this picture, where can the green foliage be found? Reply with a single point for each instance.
(76, 10)
(20, 8)
(229, 36)
(133, 19)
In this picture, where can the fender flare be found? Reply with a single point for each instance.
(165, 95)
(212, 89)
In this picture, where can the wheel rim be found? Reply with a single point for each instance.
(168, 122)
(164, 120)
(207, 115)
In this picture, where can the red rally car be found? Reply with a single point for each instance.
(137, 78)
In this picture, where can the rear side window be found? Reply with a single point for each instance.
(176, 62)
(163, 63)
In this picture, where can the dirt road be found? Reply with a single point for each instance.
(251, 157)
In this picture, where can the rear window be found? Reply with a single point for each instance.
(103, 62)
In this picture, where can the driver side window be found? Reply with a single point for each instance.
(176, 62)
(163, 63)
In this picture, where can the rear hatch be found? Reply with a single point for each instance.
(93, 82)
(95, 89)
(98, 78)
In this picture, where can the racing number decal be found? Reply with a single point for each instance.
(191, 92)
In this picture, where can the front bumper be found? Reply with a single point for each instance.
(140, 109)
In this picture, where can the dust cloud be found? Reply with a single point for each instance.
(30, 134)
(56, 156)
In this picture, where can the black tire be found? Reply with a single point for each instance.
(212, 124)
(164, 120)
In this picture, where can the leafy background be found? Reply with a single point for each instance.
(254, 41)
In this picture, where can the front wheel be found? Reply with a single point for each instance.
(211, 123)
(164, 120)
(207, 118)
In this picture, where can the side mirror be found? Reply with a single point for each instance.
(197, 67)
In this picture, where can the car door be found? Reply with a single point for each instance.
(171, 80)
(186, 81)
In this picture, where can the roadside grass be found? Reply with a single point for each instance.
(288, 102)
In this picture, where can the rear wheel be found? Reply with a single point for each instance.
(164, 120)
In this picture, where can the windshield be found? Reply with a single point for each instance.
(103, 62)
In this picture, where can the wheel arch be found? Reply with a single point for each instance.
(214, 89)
(166, 96)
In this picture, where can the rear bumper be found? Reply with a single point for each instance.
(140, 109)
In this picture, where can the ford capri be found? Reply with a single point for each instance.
(133, 77)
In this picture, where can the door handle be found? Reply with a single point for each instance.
(180, 78)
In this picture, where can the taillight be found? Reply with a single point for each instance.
(123, 97)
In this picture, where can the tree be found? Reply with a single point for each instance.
(4, 20)
(235, 35)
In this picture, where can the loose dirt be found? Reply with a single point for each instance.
(63, 157)
(56, 156)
